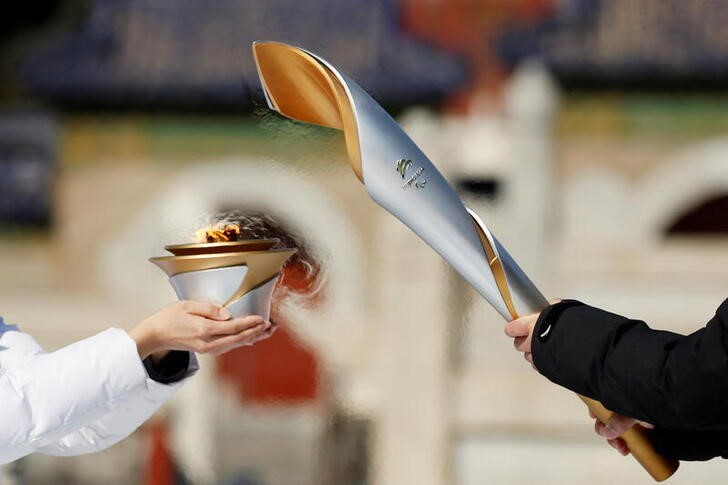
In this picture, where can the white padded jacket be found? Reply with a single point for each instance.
(80, 399)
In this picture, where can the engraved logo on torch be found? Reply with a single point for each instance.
(403, 165)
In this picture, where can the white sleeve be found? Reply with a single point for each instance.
(57, 401)
(119, 422)
(16, 347)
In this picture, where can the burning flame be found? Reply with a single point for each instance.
(220, 232)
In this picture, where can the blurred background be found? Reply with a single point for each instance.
(590, 136)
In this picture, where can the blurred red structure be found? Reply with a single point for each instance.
(470, 28)
(159, 468)
(282, 369)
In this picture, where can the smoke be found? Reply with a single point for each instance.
(323, 149)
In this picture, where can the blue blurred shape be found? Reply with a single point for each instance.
(27, 168)
(244, 478)
(623, 40)
(196, 54)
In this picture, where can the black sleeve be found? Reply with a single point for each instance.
(670, 380)
(172, 368)
(690, 445)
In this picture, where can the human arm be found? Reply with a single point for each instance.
(680, 445)
(53, 394)
(670, 380)
(90, 394)
(674, 381)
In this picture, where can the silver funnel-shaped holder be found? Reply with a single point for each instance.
(241, 281)
(400, 178)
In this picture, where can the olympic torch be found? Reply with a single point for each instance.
(400, 178)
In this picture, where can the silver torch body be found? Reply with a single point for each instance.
(400, 178)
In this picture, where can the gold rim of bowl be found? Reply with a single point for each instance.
(221, 247)
(263, 261)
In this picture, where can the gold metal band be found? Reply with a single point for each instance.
(496, 267)
(305, 90)
(262, 265)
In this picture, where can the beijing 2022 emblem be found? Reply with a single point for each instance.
(403, 165)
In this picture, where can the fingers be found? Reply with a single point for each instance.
(520, 330)
(233, 326)
(252, 329)
(206, 309)
(619, 445)
(522, 344)
(268, 333)
(221, 344)
(615, 427)
(520, 327)
(616, 443)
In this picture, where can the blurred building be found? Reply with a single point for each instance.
(595, 151)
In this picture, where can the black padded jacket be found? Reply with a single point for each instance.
(677, 382)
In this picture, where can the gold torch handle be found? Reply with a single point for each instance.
(659, 467)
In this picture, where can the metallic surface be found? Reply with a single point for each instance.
(216, 285)
(261, 266)
(397, 175)
(401, 179)
(526, 298)
(221, 247)
(255, 302)
(220, 286)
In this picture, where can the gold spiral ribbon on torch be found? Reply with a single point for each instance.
(303, 88)
(638, 443)
(496, 267)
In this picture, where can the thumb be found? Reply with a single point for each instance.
(207, 310)
(518, 328)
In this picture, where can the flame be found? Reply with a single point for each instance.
(220, 232)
